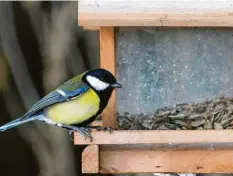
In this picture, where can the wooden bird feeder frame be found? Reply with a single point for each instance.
(111, 153)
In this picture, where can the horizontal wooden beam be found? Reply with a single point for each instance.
(91, 28)
(186, 13)
(157, 137)
(114, 161)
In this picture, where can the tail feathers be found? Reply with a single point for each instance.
(16, 122)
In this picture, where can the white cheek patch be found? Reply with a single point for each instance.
(96, 83)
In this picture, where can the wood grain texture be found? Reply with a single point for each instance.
(91, 28)
(164, 160)
(97, 123)
(107, 61)
(90, 159)
(157, 137)
(187, 13)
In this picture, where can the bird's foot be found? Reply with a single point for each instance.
(105, 128)
(101, 128)
(84, 131)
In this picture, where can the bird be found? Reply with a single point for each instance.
(74, 104)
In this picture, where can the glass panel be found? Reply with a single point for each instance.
(162, 67)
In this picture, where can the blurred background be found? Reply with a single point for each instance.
(41, 45)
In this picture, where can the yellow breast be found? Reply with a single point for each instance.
(76, 110)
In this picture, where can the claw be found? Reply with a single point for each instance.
(105, 128)
(88, 130)
(84, 131)
(70, 133)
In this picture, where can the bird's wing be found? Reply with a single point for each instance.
(68, 90)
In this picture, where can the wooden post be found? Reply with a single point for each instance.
(107, 61)
(186, 13)
(90, 159)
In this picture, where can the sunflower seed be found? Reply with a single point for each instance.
(219, 106)
(170, 126)
(155, 126)
(165, 113)
(147, 125)
(207, 125)
(180, 123)
(200, 128)
(217, 100)
(216, 112)
(219, 116)
(162, 127)
(225, 123)
(126, 114)
(217, 126)
(173, 111)
(197, 123)
(178, 117)
(226, 116)
(195, 116)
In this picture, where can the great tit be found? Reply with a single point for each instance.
(74, 104)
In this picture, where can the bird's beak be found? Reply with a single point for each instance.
(116, 85)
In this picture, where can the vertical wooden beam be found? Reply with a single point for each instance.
(90, 159)
(107, 61)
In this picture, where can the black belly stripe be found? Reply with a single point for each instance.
(104, 98)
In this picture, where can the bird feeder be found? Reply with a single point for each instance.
(163, 53)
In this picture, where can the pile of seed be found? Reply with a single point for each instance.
(213, 114)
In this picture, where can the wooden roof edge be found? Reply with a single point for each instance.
(187, 13)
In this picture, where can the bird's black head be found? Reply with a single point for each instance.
(100, 80)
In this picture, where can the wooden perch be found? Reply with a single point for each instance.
(157, 137)
(91, 28)
(156, 13)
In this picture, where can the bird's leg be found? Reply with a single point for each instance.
(102, 128)
(83, 130)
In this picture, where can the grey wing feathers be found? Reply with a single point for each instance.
(56, 97)
(52, 98)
